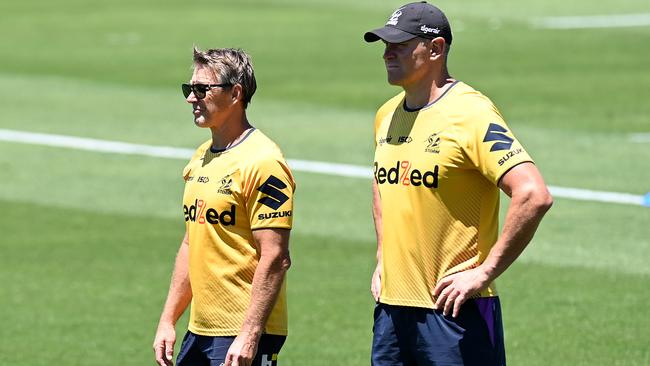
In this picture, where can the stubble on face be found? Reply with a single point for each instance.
(405, 61)
(202, 109)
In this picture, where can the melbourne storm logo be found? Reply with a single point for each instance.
(498, 134)
(226, 183)
(394, 18)
(433, 142)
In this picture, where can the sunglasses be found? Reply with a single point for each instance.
(200, 90)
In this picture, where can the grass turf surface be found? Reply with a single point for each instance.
(89, 286)
(88, 239)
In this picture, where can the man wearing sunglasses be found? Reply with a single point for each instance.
(238, 209)
(442, 152)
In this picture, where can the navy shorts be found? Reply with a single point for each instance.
(410, 336)
(198, 350)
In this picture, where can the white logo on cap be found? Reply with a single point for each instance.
(394, 17)
(426, 30)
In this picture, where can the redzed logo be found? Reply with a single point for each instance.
(403, 173)
(195, 213)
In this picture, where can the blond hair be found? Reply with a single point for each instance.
(230, 65)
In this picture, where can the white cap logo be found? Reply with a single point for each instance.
(426, 30)
(394, 17)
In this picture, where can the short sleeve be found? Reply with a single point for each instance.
(492, 147)
(269, 194)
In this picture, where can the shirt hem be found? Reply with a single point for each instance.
(271, 227)
(420, 304)
(510, 168)
(232, 332)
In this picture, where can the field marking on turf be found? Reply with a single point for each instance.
(640, 137)
(593, 21)
(346, 170)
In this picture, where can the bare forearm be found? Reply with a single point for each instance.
(267, 283)
(524, 215)
(273, 249)
(377, 217)
(530, 201)
(179, 296)
(375, 282)
(180, 290)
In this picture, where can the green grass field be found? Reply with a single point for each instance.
(88, 239)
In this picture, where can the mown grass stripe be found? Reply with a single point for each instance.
(347, 170)
(593, 21)
(640, 137)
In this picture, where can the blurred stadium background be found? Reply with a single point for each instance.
(88, 238)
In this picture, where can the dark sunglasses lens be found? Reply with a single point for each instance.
(187, 89)
(200, 90)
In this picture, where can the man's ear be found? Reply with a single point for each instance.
(437, 47)
(237, 93)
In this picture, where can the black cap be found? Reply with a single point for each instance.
(412, 20)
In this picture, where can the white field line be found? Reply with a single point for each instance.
(347, 170)
(600, 196)
(594, 21)
(640, 137)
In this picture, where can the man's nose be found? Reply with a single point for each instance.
(191, 98)
(388, 53)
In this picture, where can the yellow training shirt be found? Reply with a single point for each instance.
(437, 171)
(228, 194)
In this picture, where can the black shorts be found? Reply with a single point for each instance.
(410, 336)
(198, 350)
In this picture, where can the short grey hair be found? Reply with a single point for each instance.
(230, 65)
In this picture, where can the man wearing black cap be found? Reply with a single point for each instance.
(442, 152)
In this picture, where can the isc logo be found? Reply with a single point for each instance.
(195, 213)
(402, 174)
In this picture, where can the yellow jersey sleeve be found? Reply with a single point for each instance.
(491, 146)
(269, 189)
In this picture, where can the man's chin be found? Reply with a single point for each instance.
(394, 81)
(200, 122)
